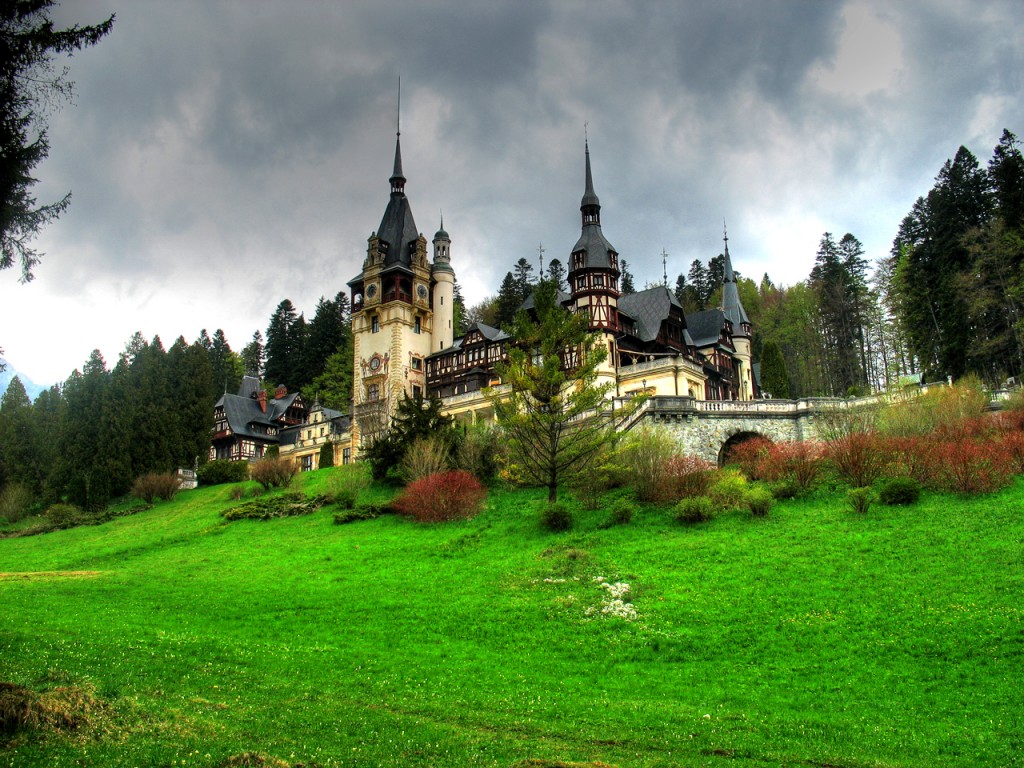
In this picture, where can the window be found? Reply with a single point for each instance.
(373, 391)
(417, 391)
(307, 463)
(416, 328)
(346, 456)
(417, 364)
(374, 324)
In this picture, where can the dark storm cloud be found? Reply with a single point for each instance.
(231, 154)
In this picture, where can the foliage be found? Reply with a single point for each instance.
(16, 502)
(860, 499)
(443, 496)
(899, 490)
(728, 490)
(221, 471)
(622, 512)
(860, 457)
(556, 517)
(346, 485)
(357, 514)
(480, 451)
(415, 418)
(64, 516)
(685, 475)
(774, 378)
(273, 473)
(938, 408)
(645, 453)
(973, 467)
(29, 86)
(156, 485)
(695, 509)
(326, 459)
(425, 456)
(555, 416)
(274, 507)
(759, 501)
(751, 456)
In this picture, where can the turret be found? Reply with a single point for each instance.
(742, 330)
(444, 291)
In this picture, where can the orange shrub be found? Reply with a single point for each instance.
(971, 467)
(442, 496)
(751, 456)
(860, 457)
(684, 476)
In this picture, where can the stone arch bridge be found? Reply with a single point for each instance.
(708, 428)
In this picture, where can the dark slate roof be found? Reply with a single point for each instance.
(596, 246)
(731, 305)
(249, 387)
(649, 309)
(562, 297)
(243, 413)
(398, 228)
(489, 333)
(706, 327)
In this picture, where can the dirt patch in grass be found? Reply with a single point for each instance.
(68, 708)
(41, 575)
(259, 760)
(559, 764)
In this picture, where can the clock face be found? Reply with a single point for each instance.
(371, 290)
(374, 363)
(422, 291)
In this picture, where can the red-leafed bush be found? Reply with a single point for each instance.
(684, 476)
(1013, 445)
(860, 457)
(442, 496)
(799, 462)
(751, 456)
(915, 457)
(972, 467)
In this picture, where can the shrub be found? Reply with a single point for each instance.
(326, 455)
(784, 489)
(899, 490)
(273, 473)
(621, 514)
(443, 496)
(64, 516)
(345, 485)
(480, 452)
(236, 492)
(800, 461)
(751, 458)
(759, 501)
(860, 499)
(969, 467)
(686, 475)
(15, 502)
(223, 471)
(156, 485)
(271, 508)
(696, 509)
(860, 457)
(917, 458)
(426, 456)
(355, 515)
(556, 517)
(728, 490)
(272, 453)
(645, 454)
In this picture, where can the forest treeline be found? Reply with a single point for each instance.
(946, 301)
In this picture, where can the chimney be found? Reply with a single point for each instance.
(281, 391)
(262, 397)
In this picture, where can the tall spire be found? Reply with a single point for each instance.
(590, 206)
(731, 304)
(397, 177)
(730, 276)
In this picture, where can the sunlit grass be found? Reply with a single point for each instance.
(813, 636)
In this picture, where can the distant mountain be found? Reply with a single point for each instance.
(10, 372)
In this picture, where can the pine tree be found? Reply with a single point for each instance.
(282, 346)
(700, 280)
(508, 301)
(627, 278)
(18, 444)
(556, 274)
(523, 278)
(253, 356)
(774, 379)
(1006, 174)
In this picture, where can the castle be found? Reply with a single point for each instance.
(403, 319)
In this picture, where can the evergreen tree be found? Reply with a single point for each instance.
(458, 310)
(556, 274)
(282, 347)
(508, 302)
(48, 413)
(700, 280)
(523, 278)
(774, 379)
(556, 418)
(333, 387)
(328, 332)
(628, 285)
(253, 357)
(30, 85)
(18, 443)
(195, 390)
(680, 290)
(226, 366)
(1006, 175)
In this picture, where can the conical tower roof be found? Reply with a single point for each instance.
(592, 240)
(732, 307)
(398, 228)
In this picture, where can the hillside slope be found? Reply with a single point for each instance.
(812, 637)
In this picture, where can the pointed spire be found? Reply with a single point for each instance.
(589, 196)
(731, 304)
(730, 276)
(397, 177)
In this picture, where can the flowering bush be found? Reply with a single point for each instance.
(442, 496)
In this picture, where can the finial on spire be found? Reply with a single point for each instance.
(664, 266)
(540, 255)
(398, 115)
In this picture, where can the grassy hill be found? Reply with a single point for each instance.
(811, 638)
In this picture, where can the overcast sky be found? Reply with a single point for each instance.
(225, 156)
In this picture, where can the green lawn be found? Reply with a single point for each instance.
(811, 638)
